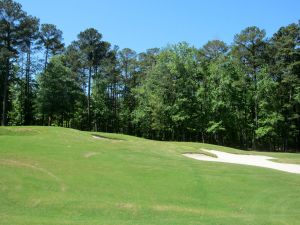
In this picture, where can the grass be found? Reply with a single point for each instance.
(62, 176)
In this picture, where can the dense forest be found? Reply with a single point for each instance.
(246, 94)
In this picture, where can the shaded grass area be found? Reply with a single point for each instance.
(106, 137)
(202, 152)
(46, 178)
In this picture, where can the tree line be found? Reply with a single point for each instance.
(246, 94)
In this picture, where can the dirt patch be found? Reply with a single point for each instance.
(127, 206)
(17, 131)
(176, 209)
(90, 154)
(35, 203)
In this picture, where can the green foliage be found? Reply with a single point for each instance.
(50, 38)
(58, 91)
(246, 94)
(215, 127)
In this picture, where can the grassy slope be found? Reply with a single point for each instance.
(62, 176)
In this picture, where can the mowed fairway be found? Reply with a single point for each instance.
(59, 176)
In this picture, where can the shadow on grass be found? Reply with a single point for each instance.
(201, 152)
(106, 138)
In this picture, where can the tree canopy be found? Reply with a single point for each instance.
(246, 94)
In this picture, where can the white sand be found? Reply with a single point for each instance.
(252, 160)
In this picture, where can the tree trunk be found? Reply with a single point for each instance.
(27, 113)
(5, 89)
(255, 109)
(89, 98)
(46, 59)
(49, 121)
(202, 136)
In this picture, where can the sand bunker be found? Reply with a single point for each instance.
(99, 137)
(252, 160)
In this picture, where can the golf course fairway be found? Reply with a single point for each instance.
(51, 175)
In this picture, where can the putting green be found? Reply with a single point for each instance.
(61, 176)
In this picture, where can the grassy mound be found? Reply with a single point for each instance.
(62, 176)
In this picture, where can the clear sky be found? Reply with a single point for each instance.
(143, 24)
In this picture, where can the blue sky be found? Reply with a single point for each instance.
(143, 24)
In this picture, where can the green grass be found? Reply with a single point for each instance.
(60, 176)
